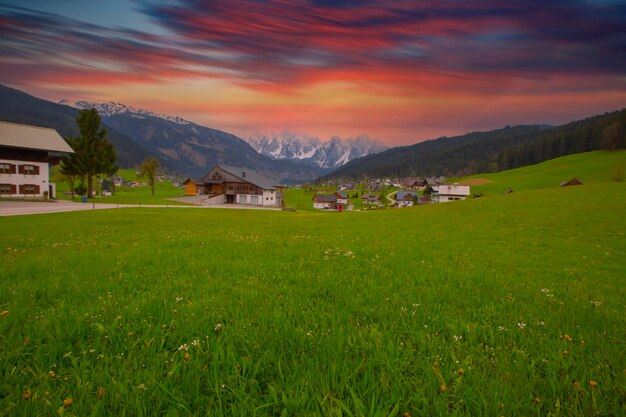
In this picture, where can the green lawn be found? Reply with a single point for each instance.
(590, 167)
(510, 305)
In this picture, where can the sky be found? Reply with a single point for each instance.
(399, 71)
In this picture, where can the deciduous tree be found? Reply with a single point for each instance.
(149, 169)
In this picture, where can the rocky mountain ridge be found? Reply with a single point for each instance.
(311, 150)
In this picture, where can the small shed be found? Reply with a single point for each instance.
(573, 181)
(194, 186)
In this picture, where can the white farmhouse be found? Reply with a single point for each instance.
(452, 192)
(25, 155)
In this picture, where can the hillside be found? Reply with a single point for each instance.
(19, 107)
(492, 151)
(589, 167)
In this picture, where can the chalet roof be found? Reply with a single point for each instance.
(325, 198)
(342, 195)
(405, 195)
(454, 189)
(370, 196)
(195, 180)
(31, 137)
(251, 176)
(431, 181)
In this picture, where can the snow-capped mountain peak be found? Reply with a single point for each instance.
(330, 154)
(110, 108)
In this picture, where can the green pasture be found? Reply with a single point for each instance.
(590, 167)
(511, 305)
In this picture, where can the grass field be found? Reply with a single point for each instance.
(590, 167)
(510, 305)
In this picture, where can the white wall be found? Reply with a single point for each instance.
(21, 179)
(269, 198)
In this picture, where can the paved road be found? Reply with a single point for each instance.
(16, 208)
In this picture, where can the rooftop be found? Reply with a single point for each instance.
(31, 137)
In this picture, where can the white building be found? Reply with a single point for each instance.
(452, 192)
(25, 155)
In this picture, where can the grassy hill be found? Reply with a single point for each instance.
(590, 167)
(509, 305)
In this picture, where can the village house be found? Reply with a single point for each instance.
(26, 153)
(452, 192)
(405, 198)
(342, 198)
(230, 185)
(324, 201)
(370, 199)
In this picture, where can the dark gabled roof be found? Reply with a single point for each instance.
(341, 194)
(251, 176)
(370, 196)
(197, 181)
(402, 195)
(432, 181)
(325, 198)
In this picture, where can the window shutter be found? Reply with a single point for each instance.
(36, 169)
(13, 188)
(20, 169)
(36, 189)
(21, 187)
(11, 168)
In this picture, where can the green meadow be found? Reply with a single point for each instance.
(511, 305)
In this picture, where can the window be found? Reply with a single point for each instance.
(5, 189)
(29, 189)
(5, 168)
(29, 169)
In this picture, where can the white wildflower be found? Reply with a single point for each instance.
(521, 325)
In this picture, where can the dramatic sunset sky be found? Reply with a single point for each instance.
(399, 71)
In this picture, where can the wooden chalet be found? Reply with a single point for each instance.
(370, 199)
(230, 185)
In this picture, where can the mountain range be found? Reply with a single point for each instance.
(183, 147)
(311, 150)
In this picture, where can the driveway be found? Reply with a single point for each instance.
(17, 208)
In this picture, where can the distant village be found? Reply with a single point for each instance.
(406, 192)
